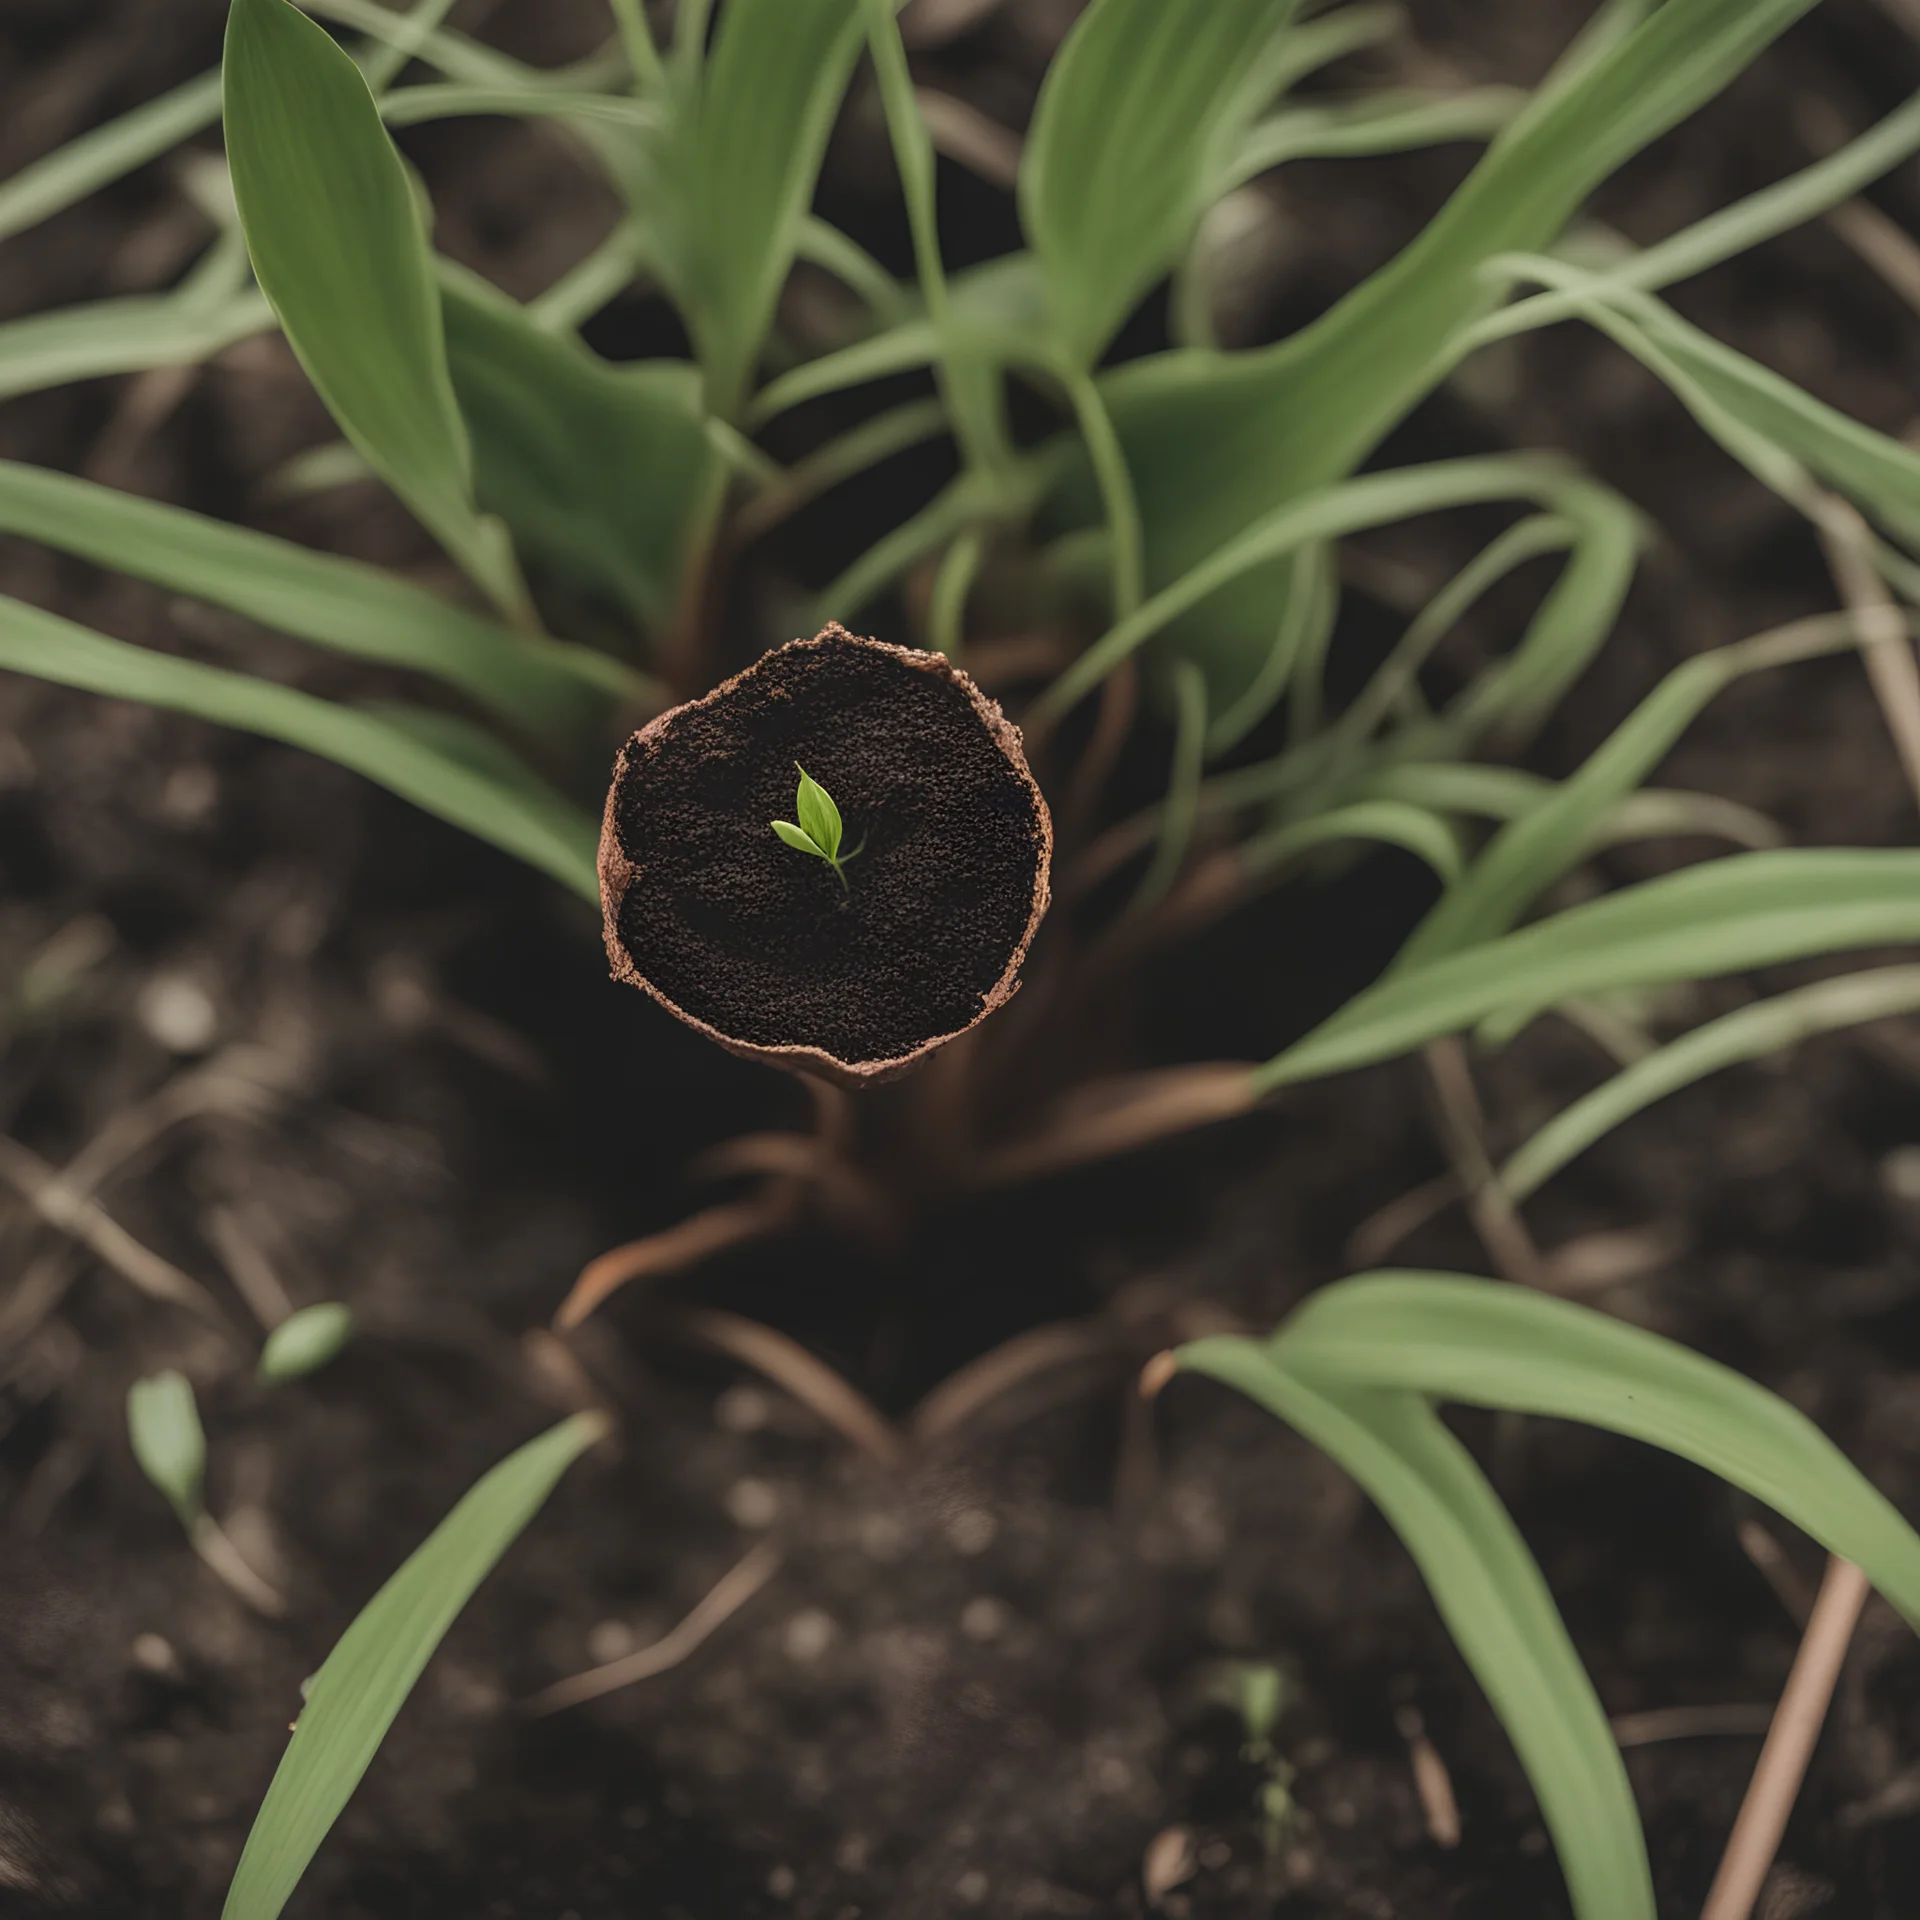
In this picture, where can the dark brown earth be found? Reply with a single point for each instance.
(943, 862)
(390, 1069)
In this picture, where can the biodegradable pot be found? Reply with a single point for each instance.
(760, 947)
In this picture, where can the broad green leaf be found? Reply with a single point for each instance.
(1216, 441)
(338, 248)
(533, 824)
(550, 689)
(1135, 117)
(1531, 853)
(103, 154)
(819, 817)
(305, 1341)
(366, 1679)
(595, 467)
(164, 1425)
(1752, 1033)
(1725, 916)
(725, 192)
(1489, 1591)
(1491, 1344)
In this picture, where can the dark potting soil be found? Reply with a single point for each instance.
(767, 945)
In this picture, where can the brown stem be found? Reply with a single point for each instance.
(1789, 1746)
(682, 1245)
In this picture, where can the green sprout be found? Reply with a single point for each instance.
(819, 831)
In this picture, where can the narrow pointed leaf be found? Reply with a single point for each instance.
(1492, 1344)
(1751, 1033)
(1489, 1591)
(550, 689)
(366, 1679)
(522, 818)
(1726, 916)
(337, 244)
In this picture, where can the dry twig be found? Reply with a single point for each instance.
(1790, 1739)
(728, 1595)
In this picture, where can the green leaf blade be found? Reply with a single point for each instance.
(1490, 1592)
(1725, 916)
(546, 688)
(336, 240)
(163, 1424)
(366, 1679)
(819, 817)
(305, 1341)
(519, 816)
(1492, 1344)
(1134, 115)
(797, 837)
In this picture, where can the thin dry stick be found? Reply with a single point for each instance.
(1381, 1231)
(1690, 1723)
(61, 1205)
(1789, 1745)
(1495, 1218)
(1119, 701)
(1885, 648)
(1431, 1780)
(682, 1245)
(728, 1595)
(1789, 1586)
(222, 1557)
(790, 1366)
(1043, 1349)
(1115, 1116)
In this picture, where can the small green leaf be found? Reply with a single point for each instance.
(819, 817)
(305, 1340)
(164, 1425)
(795, 837)
(352, 1700)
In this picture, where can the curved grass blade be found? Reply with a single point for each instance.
(366, 1679)
(1726, 916)
(1135, 115)
(550, 689)
(103, 154)
(1489, 1591)
(337, 245)
(1492, 1344)
(520, 817)
(1393, 823)
(1751, 1033)
(1533, 851)
(104, 337)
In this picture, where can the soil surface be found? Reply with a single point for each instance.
(307, 1044)
(943, 863)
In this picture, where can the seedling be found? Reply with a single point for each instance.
(305, 1340)
(819, 830)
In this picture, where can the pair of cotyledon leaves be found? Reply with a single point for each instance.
(819, 830)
